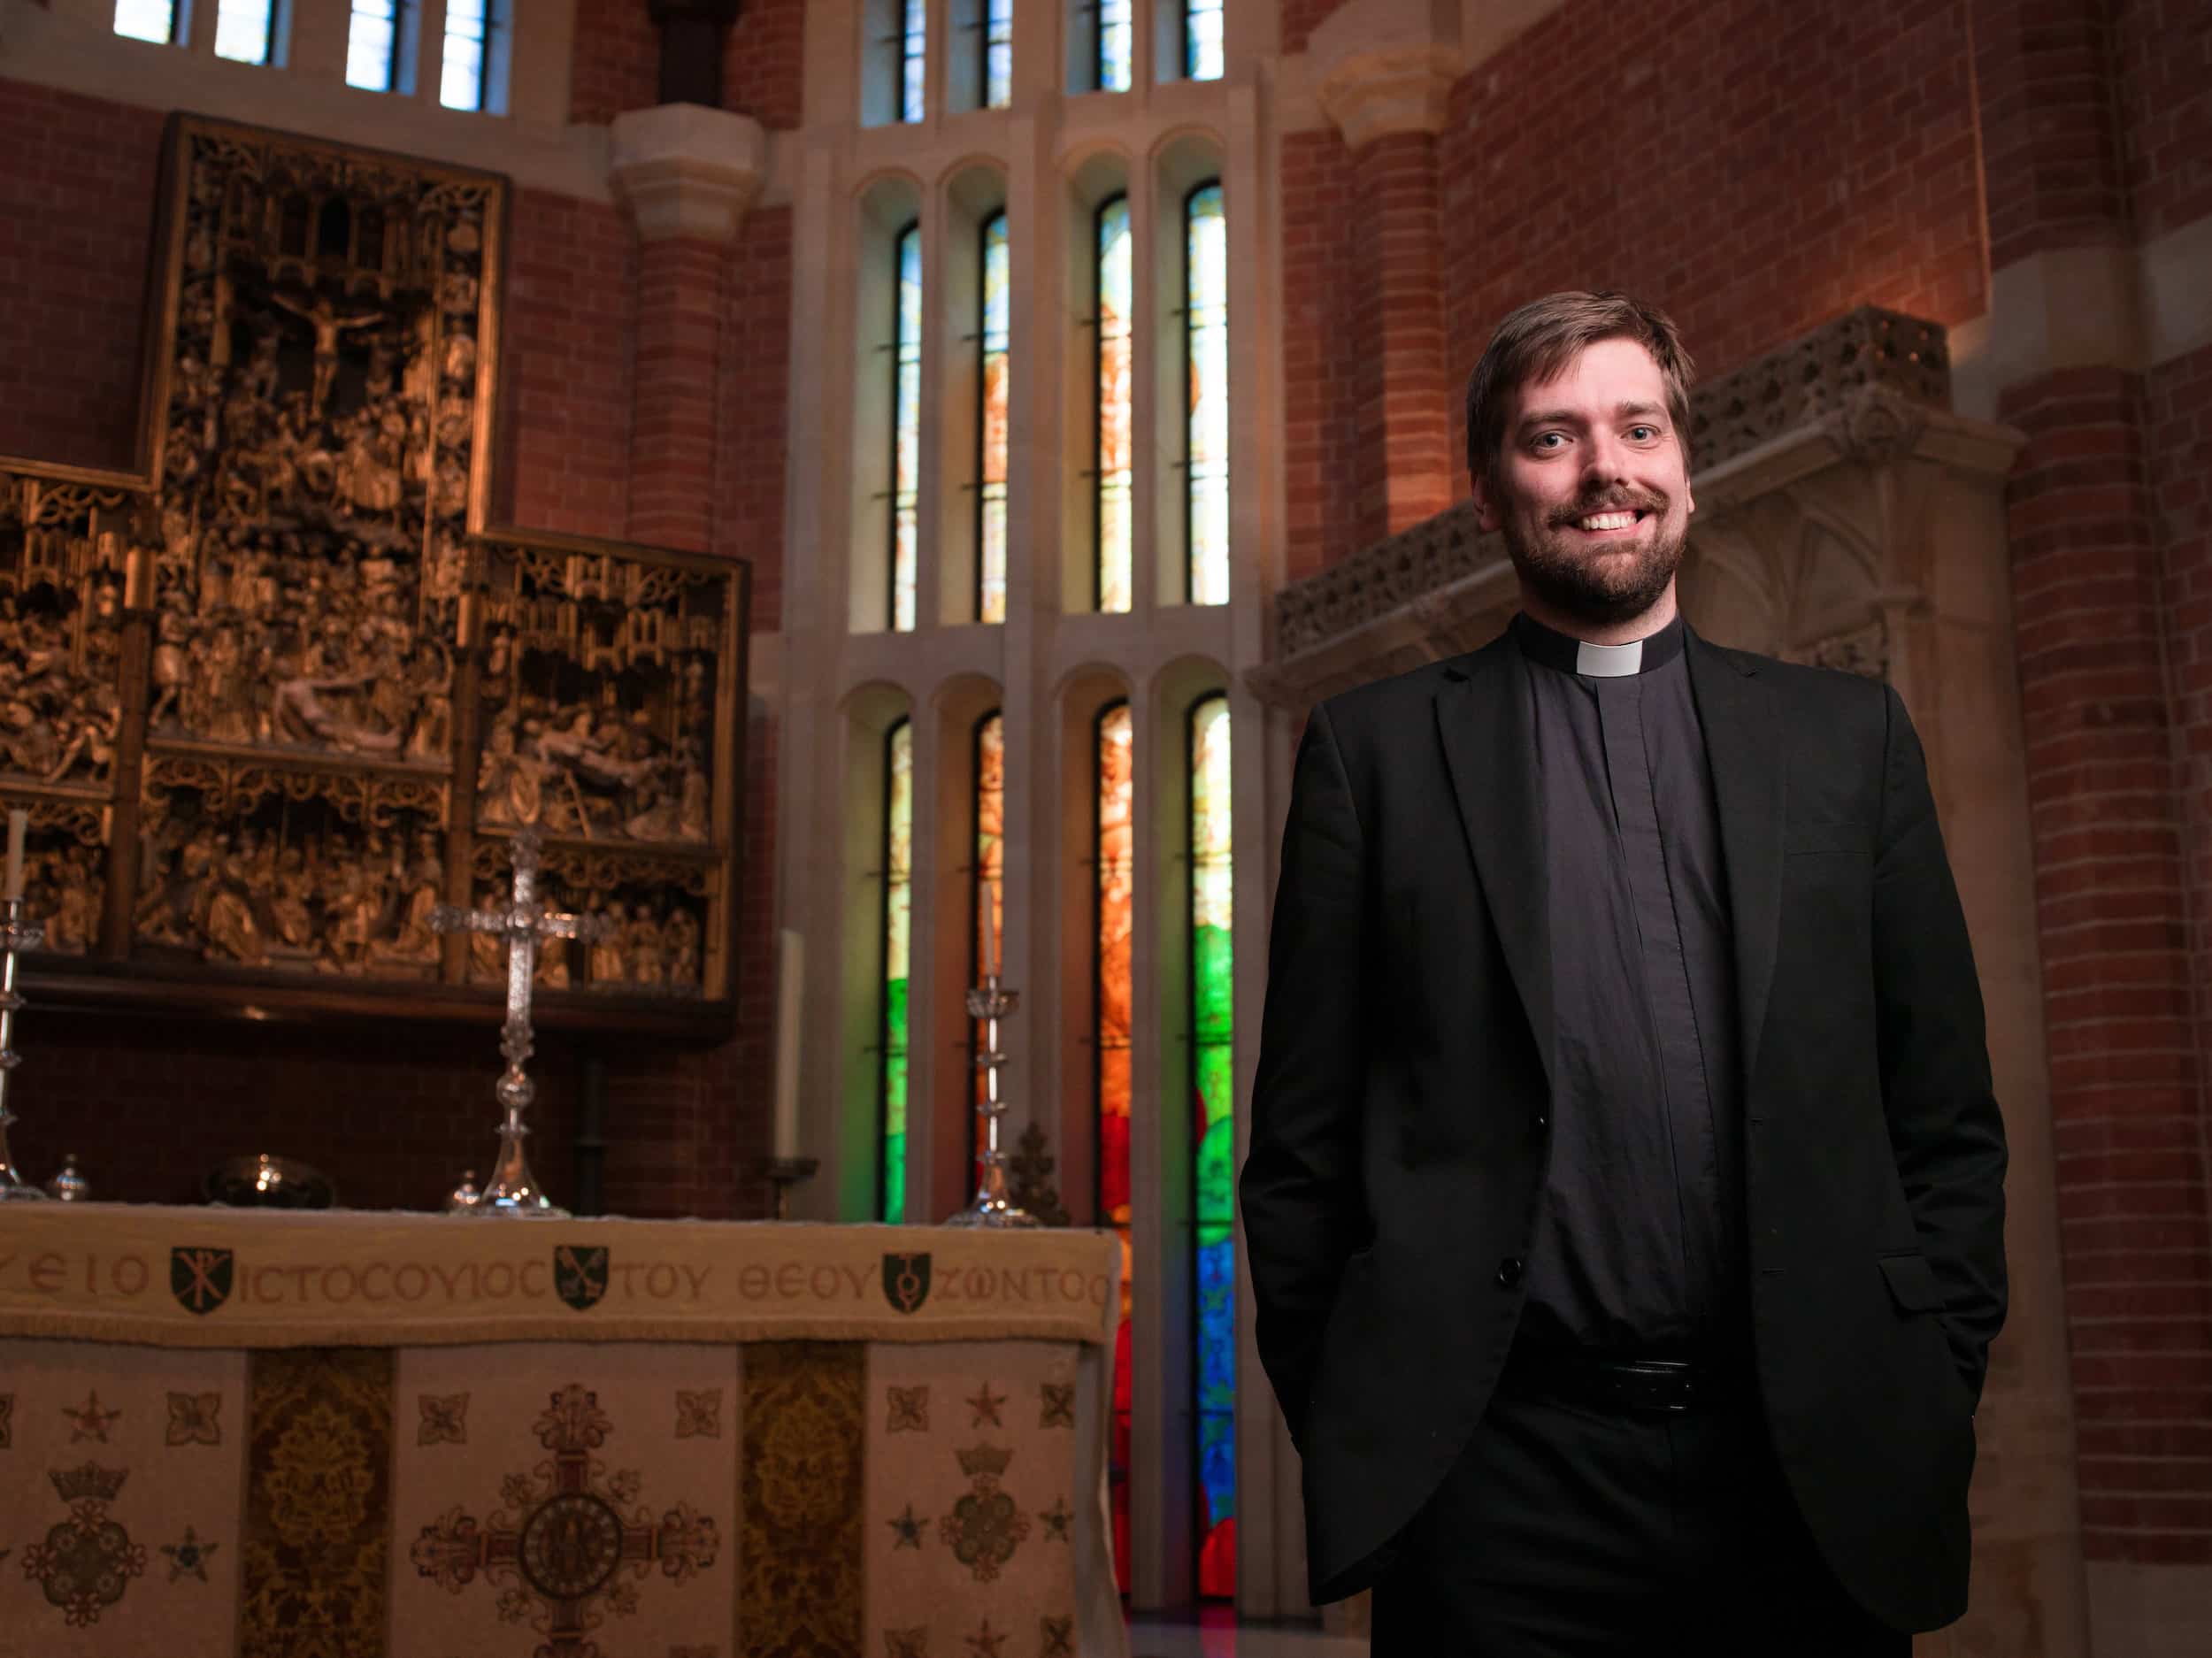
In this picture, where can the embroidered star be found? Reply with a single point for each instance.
(1057, 1519)
(188, 1559)
(983, 1644)
(88, 1421)
(986, 1405)
(909, 1527)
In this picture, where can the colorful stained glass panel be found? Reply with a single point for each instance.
(906, 426)
(998, 54)
(1115, 849)
(1206, 320)
(1116, 437)
(1203, 40)
(913, 54)
(991, 503)
(1117, 45)
(898, 894)
(987, 898)
(1213, 1115)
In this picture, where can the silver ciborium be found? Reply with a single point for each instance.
(16, 934)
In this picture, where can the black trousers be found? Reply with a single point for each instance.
(1564, 1531)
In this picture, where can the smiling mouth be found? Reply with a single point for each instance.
(1616, 521)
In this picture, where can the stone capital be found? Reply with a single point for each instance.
(688, 170)
(1385, 66)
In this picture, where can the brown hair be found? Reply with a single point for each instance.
(1543, 336)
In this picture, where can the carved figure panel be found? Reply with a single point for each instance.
(599, 692)
(661, 908)
(64, 870)
(319, 449)
(65, 549)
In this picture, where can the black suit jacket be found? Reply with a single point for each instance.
(1397, 1157)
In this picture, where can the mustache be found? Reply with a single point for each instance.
(1615, 500)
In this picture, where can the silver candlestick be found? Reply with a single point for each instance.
(16, 934)
(990, 1002)
(513, 1189)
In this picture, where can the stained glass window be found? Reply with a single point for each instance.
(990, 534)
(1116, 285)
(906, 426)
(245, 30)
(898, 883)
(1206, 353)
(913, 53)
(998, 53)
(154, 21)
(373, 45)
(1117, 42)
(1201, 40)
(1114, 850)
(987, 896)
(1213, 1113)
(464, 81)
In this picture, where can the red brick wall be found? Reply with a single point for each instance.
(762, 72)
(77, 191)
(1400, 416)
(755, 378)
(2163, 49)
(1320, 357)
(617, 61)
(2052, 156)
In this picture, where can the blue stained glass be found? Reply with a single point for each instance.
(906, 428)
(1117, 45)
(1206, 337)
(1213, 1109)
(998, 54)
(244, 29)
(913, 53)
(1203, 40)
(371, 40)
(154, 21)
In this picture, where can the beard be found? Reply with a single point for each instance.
(1602, 591)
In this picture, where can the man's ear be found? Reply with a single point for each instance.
(1486, 515)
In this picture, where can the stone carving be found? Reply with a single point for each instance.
(1867, 378)
(659, 905)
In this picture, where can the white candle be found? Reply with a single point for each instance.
(19, 820)
(790, 970)
(990, 931)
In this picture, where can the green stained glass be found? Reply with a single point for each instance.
(1116, 433)
(1213, 1107)
(1117, 45)
(991, 493)
(898, 884)
(906, 428)
(1206, 336)
(987, 897)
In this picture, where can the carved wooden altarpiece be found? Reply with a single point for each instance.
(277, 693)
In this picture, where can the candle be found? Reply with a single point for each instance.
(789, 972)
(19, 820)
(990, 930)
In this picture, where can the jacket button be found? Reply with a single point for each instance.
(1541, 1124)
(1509, 1271)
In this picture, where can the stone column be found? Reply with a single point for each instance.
(2065, 357)
(686, 173)
(1384, 72)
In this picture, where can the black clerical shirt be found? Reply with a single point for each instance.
(1638, 1248)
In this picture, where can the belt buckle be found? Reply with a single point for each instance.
(1655, 1385)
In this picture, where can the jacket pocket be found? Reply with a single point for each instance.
(1912, 1283)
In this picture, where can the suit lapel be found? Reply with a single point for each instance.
(1485, 721)
(1744, 748)
(1484, 717)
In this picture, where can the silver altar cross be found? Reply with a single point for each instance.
(522, 921)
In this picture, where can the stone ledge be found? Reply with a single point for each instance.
(687, 170)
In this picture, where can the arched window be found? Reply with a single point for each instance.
(1114, 442)
(1213, 1106)
(1206, 362)
(1113, 852)
(898, 892)
(986, 900)
(913, 58)
(906, 424)
(998, 53)
(1203, 40)
(991, 331)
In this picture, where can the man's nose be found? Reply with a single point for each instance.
(1604, 460)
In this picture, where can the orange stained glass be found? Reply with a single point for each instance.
(1114, 848)
(986, 897)
(1116, 434)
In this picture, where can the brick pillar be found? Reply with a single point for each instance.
(1385, 77)
(2113, 892)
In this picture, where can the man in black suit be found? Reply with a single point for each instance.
(1625, 1202)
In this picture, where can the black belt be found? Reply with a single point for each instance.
(1630, 1387)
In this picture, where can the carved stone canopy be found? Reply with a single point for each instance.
(1385, 66)
(687, 170)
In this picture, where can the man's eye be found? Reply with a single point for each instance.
(1546, 440)
(1643, 435)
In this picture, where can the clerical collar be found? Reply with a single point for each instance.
(1541, 644)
